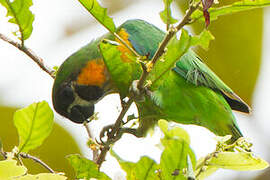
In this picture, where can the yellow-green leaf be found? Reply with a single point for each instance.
(203, 39)
(232, 8)
(9, 169)
(20, 14)
(145, 168)
(43, 176)
(99, 13)
(173, 160)
(166, 14)
(173, 132)
(238, 161)
(85, 168)
(34, 124)
(122, 72)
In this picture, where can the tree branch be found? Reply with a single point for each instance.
(115, 130)
(171, 32)
(28, 156)
(117, 126)
(29, 53)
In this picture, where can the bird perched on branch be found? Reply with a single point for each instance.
(188, 93)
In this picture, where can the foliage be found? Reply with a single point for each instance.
(85, 168)
(232, 8)
(34, 124)
(99, 13)
(19, 13)
(177, 160)
(165, 15)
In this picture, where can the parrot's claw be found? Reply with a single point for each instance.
(132, 131)
(111, 138)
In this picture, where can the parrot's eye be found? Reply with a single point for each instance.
(79, 114)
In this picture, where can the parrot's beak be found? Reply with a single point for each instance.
(79, 114)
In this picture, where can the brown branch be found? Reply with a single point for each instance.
(29, 53)
(115, 130)
(171, 32)
(117, 126)
(28, 156)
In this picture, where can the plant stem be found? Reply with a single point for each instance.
(28, 156)
(29, 53)
(171, 32)
(90, 135)
(115, 129)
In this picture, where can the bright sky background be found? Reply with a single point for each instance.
(23, 82)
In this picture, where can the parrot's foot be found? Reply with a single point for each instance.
(139, 94)
(112, 136)
(132, 131)
(109, 132)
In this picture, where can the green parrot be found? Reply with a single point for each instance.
(189, 93)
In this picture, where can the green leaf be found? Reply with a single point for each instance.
(20, 14)
(43, 176)
(208, 170)
(99, 13)
(85, 168)
(233, 8)
(145, 168)
(174, 159)
(174, 132)
(241, 161)
(166, 14)
(34, 124)
(203, 39)
(9, 169)
(122, 72)
(175, 49)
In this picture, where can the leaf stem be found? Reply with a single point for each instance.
(90, 136)
(29, 53)
(28, 156)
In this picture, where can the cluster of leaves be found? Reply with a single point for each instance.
(177, 161)
(34, 124)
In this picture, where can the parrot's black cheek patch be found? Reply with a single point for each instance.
(79, 114)
(64, 97)
(89, 93)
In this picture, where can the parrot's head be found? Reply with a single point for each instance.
(78, 86)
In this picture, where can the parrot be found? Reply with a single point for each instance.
(189, 93)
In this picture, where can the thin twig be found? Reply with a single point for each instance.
(91, 137)
(114, 131)
(28, 156)
(29, 53)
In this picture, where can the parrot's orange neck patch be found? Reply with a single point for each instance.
(122, 48)
(93, 73)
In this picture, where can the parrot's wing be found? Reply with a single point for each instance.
(196, 72)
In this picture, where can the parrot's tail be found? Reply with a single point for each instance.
(236, 133)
